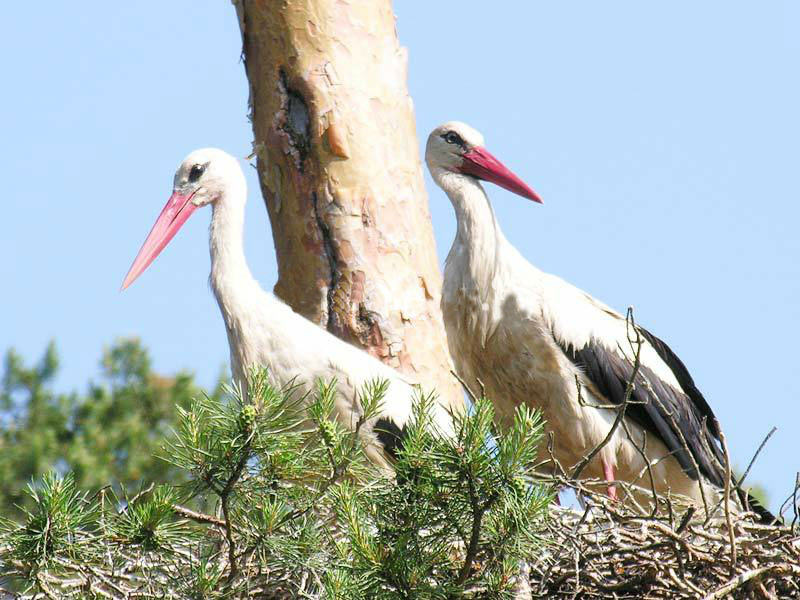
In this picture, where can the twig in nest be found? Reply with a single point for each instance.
(743, 578)
(738, 484)
(483, 387)
(794, 499)
(677, 430)
(731, 535)
(558, 469)
(463, 383)
(686, 518)
(634, 555)
(626, 400)
(643, 453)
(755, 456)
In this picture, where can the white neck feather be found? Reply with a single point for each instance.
(231, 279)
(479, 240)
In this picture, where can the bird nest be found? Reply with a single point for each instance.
(609, 550)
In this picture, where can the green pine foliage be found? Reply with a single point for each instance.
(54, 524)
(292, 509)
(107, 435)
(459, 516)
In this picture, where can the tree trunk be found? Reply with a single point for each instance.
(341, 177)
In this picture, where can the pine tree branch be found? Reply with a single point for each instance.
(337, 472)
(477, 518)
(224, 496)
(196, 516)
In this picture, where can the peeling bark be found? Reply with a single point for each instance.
(341, 176)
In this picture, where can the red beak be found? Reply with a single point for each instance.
(480, 163)
(179, 207)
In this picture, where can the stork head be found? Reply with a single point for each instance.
(206, 176)
(455, 148)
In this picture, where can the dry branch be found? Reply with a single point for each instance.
(618, 552)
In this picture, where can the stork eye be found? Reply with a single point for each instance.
(196, 173)
(451, 137)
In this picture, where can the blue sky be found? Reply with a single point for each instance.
(663, 137)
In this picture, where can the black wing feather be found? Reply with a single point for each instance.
(671, 415)
(684, 378)
(390, 435)
(661, 409)
(687, 384)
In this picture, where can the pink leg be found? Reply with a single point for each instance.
(608, 473)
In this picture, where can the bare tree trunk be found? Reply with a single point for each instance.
(341, 177)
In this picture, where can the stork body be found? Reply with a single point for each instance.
(532, 338)
(262, 330)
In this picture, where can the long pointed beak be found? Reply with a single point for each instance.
(480, 163)
(179, 207)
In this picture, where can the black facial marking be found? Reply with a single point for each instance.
(196, 172)
(451, 137)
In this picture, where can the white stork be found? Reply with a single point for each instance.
(262, 330)
(529, 337)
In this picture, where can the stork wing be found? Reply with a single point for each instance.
(665, 400)
(685, 426)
